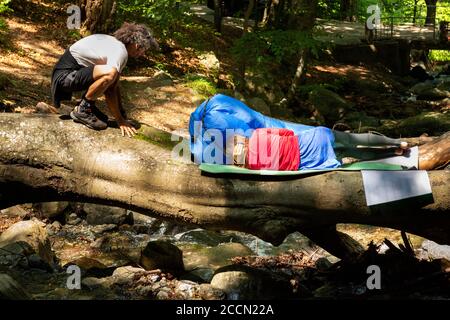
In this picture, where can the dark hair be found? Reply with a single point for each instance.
(139, 34)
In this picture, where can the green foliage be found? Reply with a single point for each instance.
(163, 15)
(74, 34)
(328, 9)
(402, 11)
(161, 66)
(4, 6)
(202, 85)
(3, 25)
(273, 46)
(439, 55)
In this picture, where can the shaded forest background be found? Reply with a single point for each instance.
(274, 58)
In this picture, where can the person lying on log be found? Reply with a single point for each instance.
(94, 65)
(262, 142)
(315, 149)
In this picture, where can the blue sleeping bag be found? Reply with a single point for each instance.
(208, 126)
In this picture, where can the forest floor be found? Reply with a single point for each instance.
(164, 89)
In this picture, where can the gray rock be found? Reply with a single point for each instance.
(259, 105)
(51, 209)
(245, 283)
(162, 255)
(200, 275)
(162, 79)
(94, 283)
(239, 96)
(16, 211)
(163, 294)
(323, 264)
(139, 218)
(144, 291)
(203, 262)
(35, 261)
(210, 62)
(34, 234)
(264, 86)
(11, 290)
(185, 289)
(281, 112)
(358, 120)
(327, 107)
(421, 87)
(56, 225)
(432, 123)
(208, 292)
(99, 214)
(430, 91)
(436, 251)
(42, 107)
(433, 94)
(73, 220)
(126, 274)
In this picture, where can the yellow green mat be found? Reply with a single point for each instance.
(358, 166)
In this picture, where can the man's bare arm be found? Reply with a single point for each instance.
(114, 101)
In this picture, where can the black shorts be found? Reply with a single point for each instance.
(68, 77)
(76, 80)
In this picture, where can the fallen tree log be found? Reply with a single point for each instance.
(44, 158)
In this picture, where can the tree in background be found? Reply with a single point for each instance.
(431, 12)
(283, 41)
(348, 10)
(97, 16)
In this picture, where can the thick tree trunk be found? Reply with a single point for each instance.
(98, 16)
(431, 12)
(348, 10)
(247, 15)
(304, 22)
(44, 158)
(218, 15)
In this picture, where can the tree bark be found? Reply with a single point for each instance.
(268, 11)
(98, 16)
(218, 15)
(44, 158)
(431, 12)
(298, 76)
(348, 10)
(248, 13)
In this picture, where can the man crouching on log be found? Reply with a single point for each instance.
(94, 65)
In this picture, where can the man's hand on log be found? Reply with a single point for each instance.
(127, 128)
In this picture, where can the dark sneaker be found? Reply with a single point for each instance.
(84, 103)
(87, 117)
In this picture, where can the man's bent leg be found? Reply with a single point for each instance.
(352, 140)
(104, 76)
(79, 80)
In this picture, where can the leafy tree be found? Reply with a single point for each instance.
(165, 16)
(285, 35)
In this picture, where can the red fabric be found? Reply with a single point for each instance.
(273, 149)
